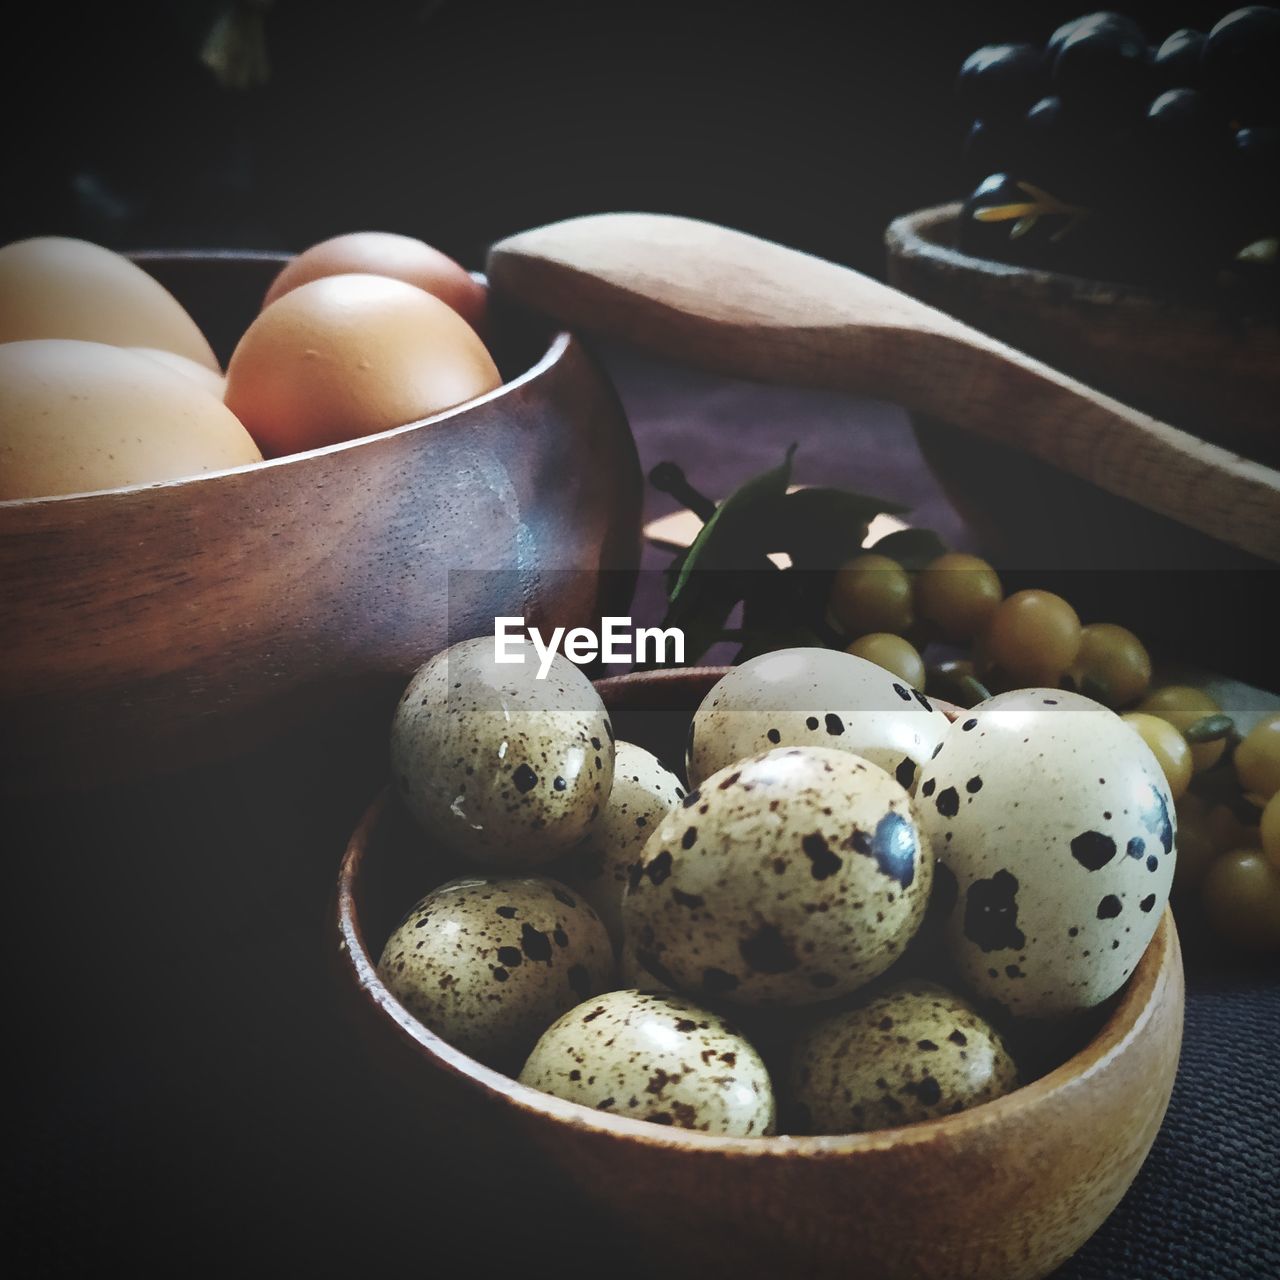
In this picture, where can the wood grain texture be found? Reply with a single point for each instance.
(738, 305)
(146, 629)
(1007, 1191)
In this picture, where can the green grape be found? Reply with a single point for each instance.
(1182, 705)
(1241, 893)
(1269, 829)
(1228, 832)
(957, 593)
(1196, 844)
(871, 593)
(1169, 747)
(1257, 758)
(1033, 636)
(893, 653)
(992, 676)
(1113, 665)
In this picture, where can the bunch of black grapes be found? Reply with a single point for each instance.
(1105, 156)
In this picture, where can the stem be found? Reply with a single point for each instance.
(666, 477)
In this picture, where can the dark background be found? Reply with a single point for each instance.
(461, 121)
(188, 1107)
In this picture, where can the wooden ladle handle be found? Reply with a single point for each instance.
(738, 305)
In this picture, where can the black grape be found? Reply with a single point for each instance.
(1176, 63)
(990, 148)
(1241, 64)
(1104, 68)
(998, 82)
(1100, 18)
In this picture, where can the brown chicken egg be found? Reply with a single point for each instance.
(52, 287)
(382, 253)
(82, 416)
(351, 355)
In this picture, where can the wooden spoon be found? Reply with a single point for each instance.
(738, 305)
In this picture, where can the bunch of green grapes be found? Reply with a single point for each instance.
(1226, 787)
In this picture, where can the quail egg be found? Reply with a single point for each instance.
(631, 973)
(500, 767)
(488, 962)
(655, 1057)
(1057, 823)
(814, 697)
(787, 878)
(913, 1052)
(644, 792)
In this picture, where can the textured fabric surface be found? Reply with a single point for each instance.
(1204, 1205)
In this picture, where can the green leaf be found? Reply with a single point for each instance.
(671, 574)
(911, 548)
(820, 528)
(733, 536)
(794, 598)
(702, 610)
(765, 640)
(703, 630)
(1210, 729)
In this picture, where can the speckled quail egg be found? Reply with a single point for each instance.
(631, 973)
(788, 878)
(487, 962)
(655, 1057)
(1058, 826)
(500, 767)
(913, 1052)
(814, 697)
(644, 792)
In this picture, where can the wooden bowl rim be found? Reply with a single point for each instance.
(1132, 1012)
(559, 346)
(915, 236)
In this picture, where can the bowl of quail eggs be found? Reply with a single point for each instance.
(784, 965)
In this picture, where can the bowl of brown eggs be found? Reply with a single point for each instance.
(784, 967)
(195, 561)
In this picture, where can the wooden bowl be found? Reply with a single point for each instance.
(1192, 365)
(1004, 1192)
(153, 627)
